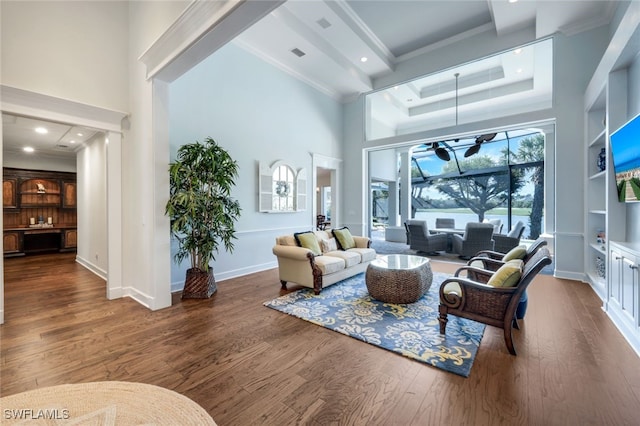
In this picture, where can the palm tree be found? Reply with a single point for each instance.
(531, 150)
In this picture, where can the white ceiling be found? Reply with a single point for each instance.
(335, 34)
(60, 141)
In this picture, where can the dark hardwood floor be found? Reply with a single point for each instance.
(248, 364)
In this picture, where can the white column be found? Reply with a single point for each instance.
(405, 185)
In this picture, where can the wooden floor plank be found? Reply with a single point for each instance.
(248, 364)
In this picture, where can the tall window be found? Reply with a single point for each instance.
(502, 180)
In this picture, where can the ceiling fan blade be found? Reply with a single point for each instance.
(488, 137)
(473, 149)
(443, 154)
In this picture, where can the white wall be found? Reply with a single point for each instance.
(20, 160)
(92, 205)
(144, 270)
(258, 113)
(74, 50)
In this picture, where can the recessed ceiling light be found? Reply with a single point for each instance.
(79, 134)
(518, 51)
(28, 149)
(513, 1)
(364, 59)
(519, 70)
(72, 141)
(41, 130)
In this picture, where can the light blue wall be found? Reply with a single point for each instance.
(258, 113)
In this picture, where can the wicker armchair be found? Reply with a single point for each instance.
(421, 240)
(504, 243)
(477, 237)
(495, 306)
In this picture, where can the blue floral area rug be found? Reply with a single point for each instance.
(411, 330)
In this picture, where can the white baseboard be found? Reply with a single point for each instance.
(179, 285)
(93, 268)
(576, 276)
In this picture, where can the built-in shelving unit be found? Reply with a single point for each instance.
(606, 107)
(596, 202)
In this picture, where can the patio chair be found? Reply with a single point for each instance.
(504, 243)
(486, 301)
(477, 237)
(421, 240)
(497, 225)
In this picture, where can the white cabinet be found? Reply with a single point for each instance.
(623, 290)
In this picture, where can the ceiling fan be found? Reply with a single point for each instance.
(475, 148)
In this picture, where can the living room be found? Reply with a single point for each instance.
(268, 101)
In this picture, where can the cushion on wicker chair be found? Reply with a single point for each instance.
(453, 287)
(308, 240)
(515, 253)
(344, 238)
(507, 275)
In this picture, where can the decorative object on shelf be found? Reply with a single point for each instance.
(602, 160)
(600, 268)
(201, 210)
(601, 238)
(41, 188)
(281, 188)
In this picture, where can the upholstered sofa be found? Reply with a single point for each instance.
(322, 265)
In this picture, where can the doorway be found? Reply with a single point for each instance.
(326, 178)
(41, 107)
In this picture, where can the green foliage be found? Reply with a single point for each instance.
(200, 206)
(635, 187)
(478, 192)
(621, 190)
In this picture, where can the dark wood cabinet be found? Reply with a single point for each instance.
(40, 211)
(9, 193)
(70, 239)
(12, 243)
(69, 195)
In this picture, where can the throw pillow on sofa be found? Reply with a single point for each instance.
(344, 238)
(309, 241)
(328, 245)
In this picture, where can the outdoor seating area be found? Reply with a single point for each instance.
(466, 242)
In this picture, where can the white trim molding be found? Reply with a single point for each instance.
(204, 27)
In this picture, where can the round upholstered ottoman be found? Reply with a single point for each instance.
(398, 278)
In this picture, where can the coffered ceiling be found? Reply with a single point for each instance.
(323, 42)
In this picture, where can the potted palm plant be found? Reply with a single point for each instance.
(201, 210)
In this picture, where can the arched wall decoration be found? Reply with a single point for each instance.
(281, 188)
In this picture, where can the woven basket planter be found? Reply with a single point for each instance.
(199, 284)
